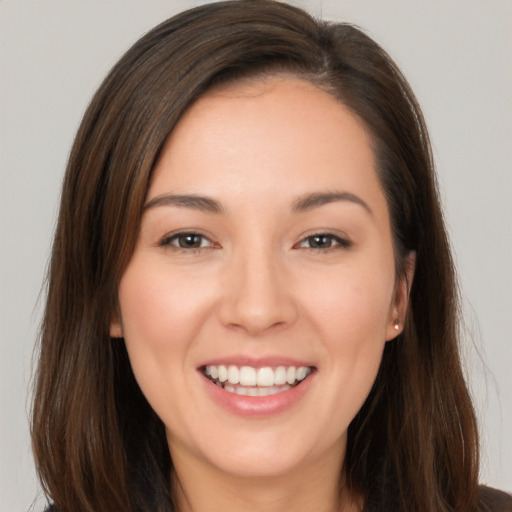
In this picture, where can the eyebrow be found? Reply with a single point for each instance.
(209, 205)
(315, 200)
(201, 203)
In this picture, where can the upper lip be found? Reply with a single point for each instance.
(255, 362)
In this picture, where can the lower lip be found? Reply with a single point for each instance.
(258, 406)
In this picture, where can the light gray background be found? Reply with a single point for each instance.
(458, 58)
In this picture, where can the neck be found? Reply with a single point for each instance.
(316, 486)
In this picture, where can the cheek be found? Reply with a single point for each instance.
(352, 303)
(351, 313)
(156, 308)
(160, 315)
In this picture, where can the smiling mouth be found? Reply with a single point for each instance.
(250, 381)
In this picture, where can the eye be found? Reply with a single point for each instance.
(187, 241)
(324, 241)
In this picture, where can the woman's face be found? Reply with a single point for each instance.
(265, 257)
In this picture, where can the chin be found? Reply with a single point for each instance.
(264, 453)
(265, 465)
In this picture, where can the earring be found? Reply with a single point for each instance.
(397, 324)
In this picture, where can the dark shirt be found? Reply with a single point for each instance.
(494, 500)
(491, 500)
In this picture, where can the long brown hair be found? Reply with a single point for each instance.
(97, 443)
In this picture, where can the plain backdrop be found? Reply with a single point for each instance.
(457, 56)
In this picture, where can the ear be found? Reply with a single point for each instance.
(116, 327)
(400, 302)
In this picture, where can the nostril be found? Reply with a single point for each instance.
(256, 319)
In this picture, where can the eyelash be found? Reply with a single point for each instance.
(168, 241)
(336, 242)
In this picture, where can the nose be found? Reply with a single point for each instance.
(258, 294)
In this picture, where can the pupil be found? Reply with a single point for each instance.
(190, 241)
(320, 241)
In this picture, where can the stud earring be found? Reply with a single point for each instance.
(397, 324)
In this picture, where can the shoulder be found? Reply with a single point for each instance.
(494, 500)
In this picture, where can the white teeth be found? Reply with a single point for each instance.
(290, 375)
(265, 377)
(264, 391)
(252, 392)
(280, 376)
(223, 373)
(247, 376)
(301, 373)
(233, 374)
(256, 391)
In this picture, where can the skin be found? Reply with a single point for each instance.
(258, 287)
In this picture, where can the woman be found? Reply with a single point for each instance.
(251, 299)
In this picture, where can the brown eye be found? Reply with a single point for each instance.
(187, 241)
(324, 241)
(320, 241)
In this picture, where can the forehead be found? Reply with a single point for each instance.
(271, 133)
